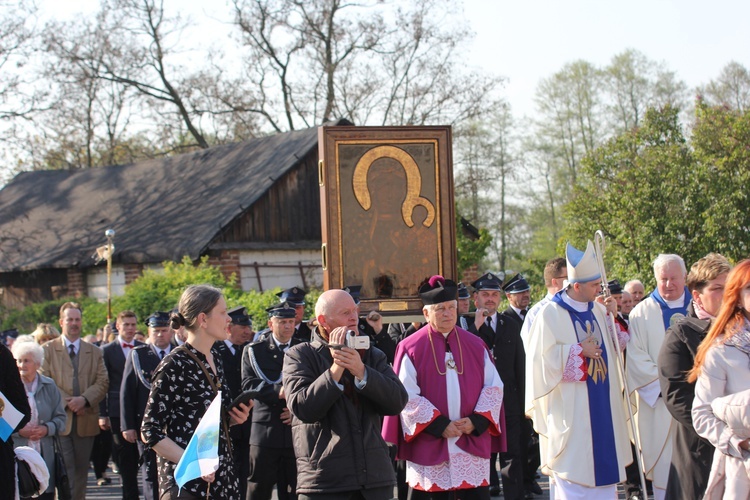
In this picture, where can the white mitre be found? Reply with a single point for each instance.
(582, 266)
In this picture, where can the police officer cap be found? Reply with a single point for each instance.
(354, 291)
(438, 289)
(615, 287)
(159, 318)
(282, 310)
(488, 281)
(239, 316)
(463, 292)
(516, 284)
(8, 334)
(294, 295)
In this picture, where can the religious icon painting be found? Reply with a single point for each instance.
(387, 211)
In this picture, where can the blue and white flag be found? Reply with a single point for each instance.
(9, 417)
(201, 457)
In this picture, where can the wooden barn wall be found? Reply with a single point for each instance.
(20, 289)
(289, 211)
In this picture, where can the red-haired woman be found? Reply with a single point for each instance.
(722, 367)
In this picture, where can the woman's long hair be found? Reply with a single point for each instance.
(731, 315)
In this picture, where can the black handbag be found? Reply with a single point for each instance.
(62, 483)
(28, 484)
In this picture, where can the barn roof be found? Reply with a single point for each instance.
(161, 209)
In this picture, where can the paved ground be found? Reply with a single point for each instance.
(114, 490)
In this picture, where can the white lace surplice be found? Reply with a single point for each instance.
(462, 470)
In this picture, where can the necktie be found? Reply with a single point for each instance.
(488, 321)
(161, 354)
(283, 346)
(72, 349)
(124, 344)
(523, 313)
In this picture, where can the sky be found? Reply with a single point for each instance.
(527, 40)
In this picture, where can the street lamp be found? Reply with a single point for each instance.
(110, 234)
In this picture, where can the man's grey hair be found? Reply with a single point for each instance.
(630, 284)
(664, 259)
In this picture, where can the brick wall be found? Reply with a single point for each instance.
(76, 283)
(470, 274)
(132, 272)
(228, 261)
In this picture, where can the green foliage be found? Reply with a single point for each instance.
(160, 290)
(26, 319)
(470, 251)
(650, 193)
(721, 139)
(154, 290)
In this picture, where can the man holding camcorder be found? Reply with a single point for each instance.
(338, 388)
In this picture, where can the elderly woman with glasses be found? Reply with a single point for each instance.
(47, 412)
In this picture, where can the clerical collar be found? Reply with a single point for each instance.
(578, 306)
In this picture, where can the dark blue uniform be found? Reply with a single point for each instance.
(239, 434)
(136, 384)
(272, 459)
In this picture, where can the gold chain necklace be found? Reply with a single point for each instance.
(449, 362)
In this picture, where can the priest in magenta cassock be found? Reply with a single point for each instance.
(453, 418)
(573, 387)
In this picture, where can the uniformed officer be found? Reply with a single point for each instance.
(239, 334)
(272, 458)
(372, 326)
(510, 359)
(136, 384)
(296, 297)
(464, 304)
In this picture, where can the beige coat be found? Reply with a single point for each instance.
(92, 379)
(725, 371)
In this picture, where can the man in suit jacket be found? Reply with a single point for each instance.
(240, 333)
(124, 453)
(511, 356)
(486, 323)
(272, 459)
(78, 371)
(136, 384)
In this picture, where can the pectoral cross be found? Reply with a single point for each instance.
(597, 367)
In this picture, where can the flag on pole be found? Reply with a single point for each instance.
(9, 417)
(201, 457)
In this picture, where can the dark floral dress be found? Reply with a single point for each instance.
(180, 395)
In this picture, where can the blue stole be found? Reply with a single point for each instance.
(670, 315)
(606, 468)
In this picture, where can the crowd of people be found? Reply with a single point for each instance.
(462, 404)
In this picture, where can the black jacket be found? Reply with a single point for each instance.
(262, 362)
(510, 357)
(13, 389)
(133, 390)
(240, 434)
(337, 439)
(691, 454)
(114, 361)
(380, 339)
